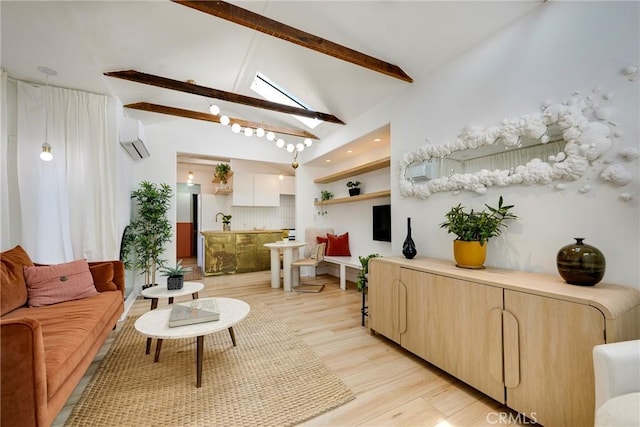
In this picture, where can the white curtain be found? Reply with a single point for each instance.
(67, 204)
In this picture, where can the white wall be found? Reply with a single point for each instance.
(553, 51)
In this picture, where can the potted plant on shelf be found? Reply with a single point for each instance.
(226, 221)
(175, 275)
(222, 173)
(144, 239)
(354, 188)
(473, 229)
(324, 195)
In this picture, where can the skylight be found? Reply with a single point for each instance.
(273, 92)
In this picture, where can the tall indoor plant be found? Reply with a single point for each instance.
(144, 240)
(473, 229)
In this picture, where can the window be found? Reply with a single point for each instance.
(273, 92)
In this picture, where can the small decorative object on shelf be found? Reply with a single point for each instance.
(324, 195)
(408, 247)
(175, 275)
(581, 264)
(222, 173)
(226, 221)
(354, 188)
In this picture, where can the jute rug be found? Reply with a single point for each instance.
(272, 378)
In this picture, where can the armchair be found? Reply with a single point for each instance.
(617, 384)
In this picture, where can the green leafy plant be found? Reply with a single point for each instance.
(178, 270)
(226, 219)
(222, 172)
(324, 195)
(363, 274)
(478, 226)
(144, 239)
(353, 184)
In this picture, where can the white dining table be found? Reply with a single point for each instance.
(289, 254)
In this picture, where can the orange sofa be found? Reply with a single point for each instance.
(45, 351)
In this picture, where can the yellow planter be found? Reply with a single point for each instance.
(469, 254)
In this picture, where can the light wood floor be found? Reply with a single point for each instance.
(392, 387)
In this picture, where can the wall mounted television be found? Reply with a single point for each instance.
(382, 223)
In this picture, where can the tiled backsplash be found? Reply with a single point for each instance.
(271, 218)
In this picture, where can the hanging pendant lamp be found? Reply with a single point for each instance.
(46, 154)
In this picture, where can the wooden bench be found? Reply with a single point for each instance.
(344, 262)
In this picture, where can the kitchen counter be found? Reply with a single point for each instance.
(237, 251)
(206, 232)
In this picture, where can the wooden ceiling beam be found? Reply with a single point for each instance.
(198, 115)
(282, 31)
(166, 83)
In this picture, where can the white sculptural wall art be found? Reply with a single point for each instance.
(585, 125)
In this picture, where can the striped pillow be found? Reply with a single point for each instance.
(53, 284)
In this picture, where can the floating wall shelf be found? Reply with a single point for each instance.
(348, 173)
(374, 195)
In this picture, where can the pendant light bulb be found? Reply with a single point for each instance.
(224, 120)
(260, 132)
(248, 132)
(300, 146)
(308, 142)
(271, 136)
(235, 128)
(214, 109)
(280, 143)
(46, 152)
(290, 148)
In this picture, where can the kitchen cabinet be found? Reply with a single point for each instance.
(288, 185)
(523, 339)
(230, 252)
(256, 189)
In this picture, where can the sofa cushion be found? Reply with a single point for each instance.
(58, 283)
(103, 277)
(13, 288)
(338, 245)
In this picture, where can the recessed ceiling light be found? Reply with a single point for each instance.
(377, 140)
(349, 151)
(328, 160)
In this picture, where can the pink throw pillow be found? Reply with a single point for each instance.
(338, 245)
(53, 284)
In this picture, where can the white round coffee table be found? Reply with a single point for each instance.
(161, 291)
(155, 324)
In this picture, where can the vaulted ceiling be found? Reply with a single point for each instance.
(83, 40)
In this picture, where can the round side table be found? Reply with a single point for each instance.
(161, 291)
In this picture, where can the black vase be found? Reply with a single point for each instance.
(581, 264)
(408, 247)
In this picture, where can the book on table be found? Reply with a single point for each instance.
(195, 311)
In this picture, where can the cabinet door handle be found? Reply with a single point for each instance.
(402, 312)
(511, 350)
(495, 344)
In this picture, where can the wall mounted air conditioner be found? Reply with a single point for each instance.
(131, 138)
(421, 172)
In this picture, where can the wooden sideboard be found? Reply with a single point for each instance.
(229, 252)
(523, 339)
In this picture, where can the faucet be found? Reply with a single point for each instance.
(226, 219)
